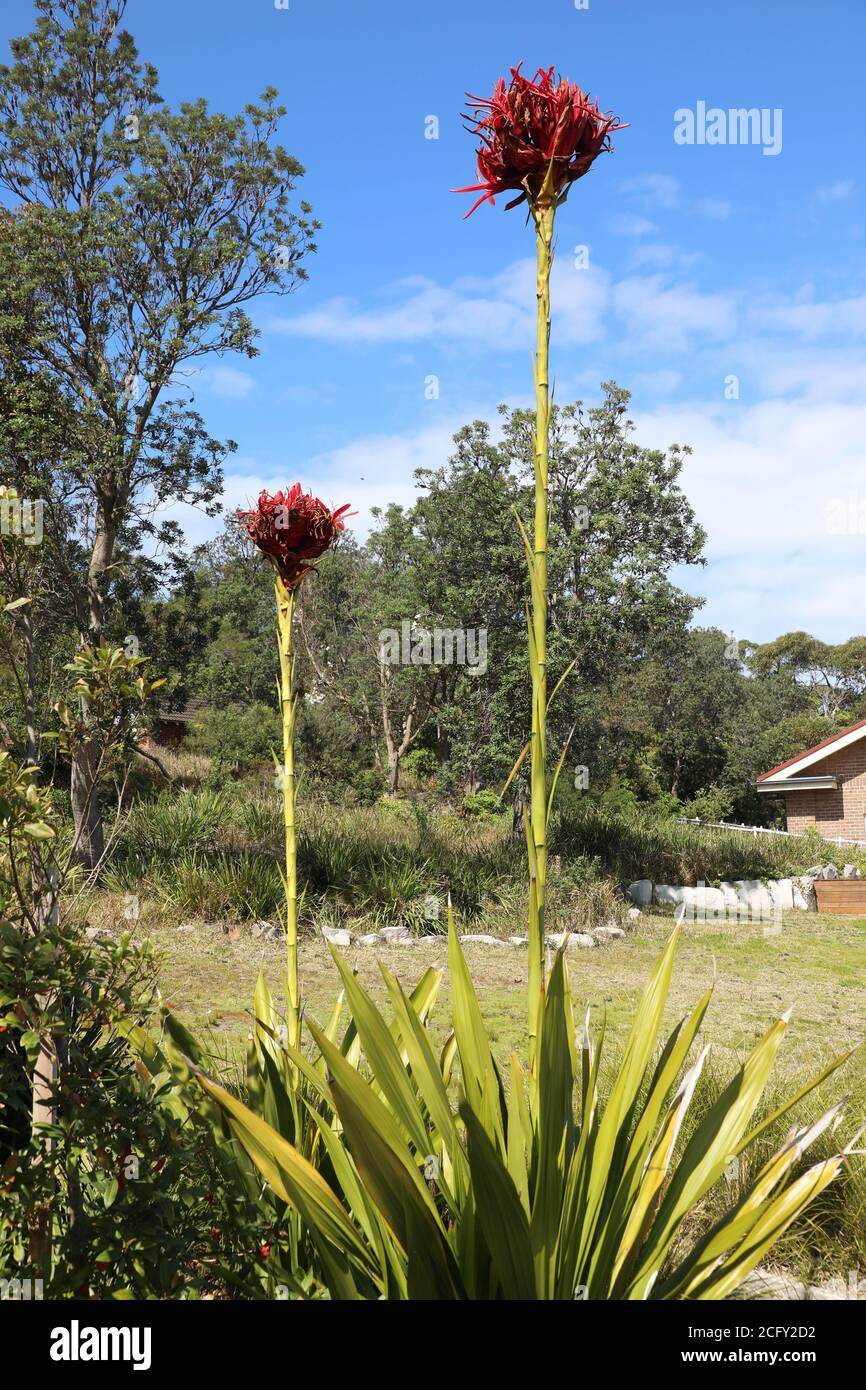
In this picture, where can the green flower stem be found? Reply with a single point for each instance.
(288, 708)
(537, 829)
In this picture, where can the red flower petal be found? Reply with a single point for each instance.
(532, 129)
(293, 529)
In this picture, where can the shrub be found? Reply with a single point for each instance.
(238, 736)
(481, 805)
(642, 846)
(545, 1191)
(421, 763)
(712, 804)
(367, 786)
(173, 824)
(234, 886)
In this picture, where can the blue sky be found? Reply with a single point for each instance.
(705, 262)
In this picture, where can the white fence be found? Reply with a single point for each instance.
(757, 830)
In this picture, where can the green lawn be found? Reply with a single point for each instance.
(816, 965)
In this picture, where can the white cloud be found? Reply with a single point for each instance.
(719, 209)
(624, 225)
(228, 382)
(663, 192)
(663, 382)
(836, 192)
(657, 255)
(496, 313)
(669, 315)
(654, 190)
(762, 481)
(812, 319)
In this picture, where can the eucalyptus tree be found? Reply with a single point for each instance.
(139, 236)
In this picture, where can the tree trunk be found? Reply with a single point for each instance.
(393, 771)
(45, 1075)
(86, 807)
(30, 686)
(443, 746)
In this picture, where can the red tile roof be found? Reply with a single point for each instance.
(825, 743)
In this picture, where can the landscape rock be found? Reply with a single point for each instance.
(519, 940)
(266, 931)
(754, 896)
(837, 1289)
(816, 871)
(850, 871)
(338, 936)
(479, 939)
(611, 933)
(641, 892)
(805, 897)
(370, 938)
(634, 914)
(664, 894)
(576, 940)
(764, 1285)
(830, 871)
(782, 893)
(704, 899)
(399, 933)
(731, 896)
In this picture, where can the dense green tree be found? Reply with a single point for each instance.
(139, 237)
(619, 522)
(833, 677)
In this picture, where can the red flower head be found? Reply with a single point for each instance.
(293, 529)
(536, 136)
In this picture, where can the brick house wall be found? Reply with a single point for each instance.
(835, 812)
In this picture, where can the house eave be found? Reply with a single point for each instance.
(777, 787)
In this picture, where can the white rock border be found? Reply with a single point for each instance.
(756, 898)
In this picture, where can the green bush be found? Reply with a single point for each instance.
(712, 804)
(367, 786)
(421, 763)
(643, 846)
(481, 805)
(238, 736)
(174, 823)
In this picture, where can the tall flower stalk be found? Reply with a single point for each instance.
(537, 137)
(293, 529)
(288, 711)
(543, 214)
